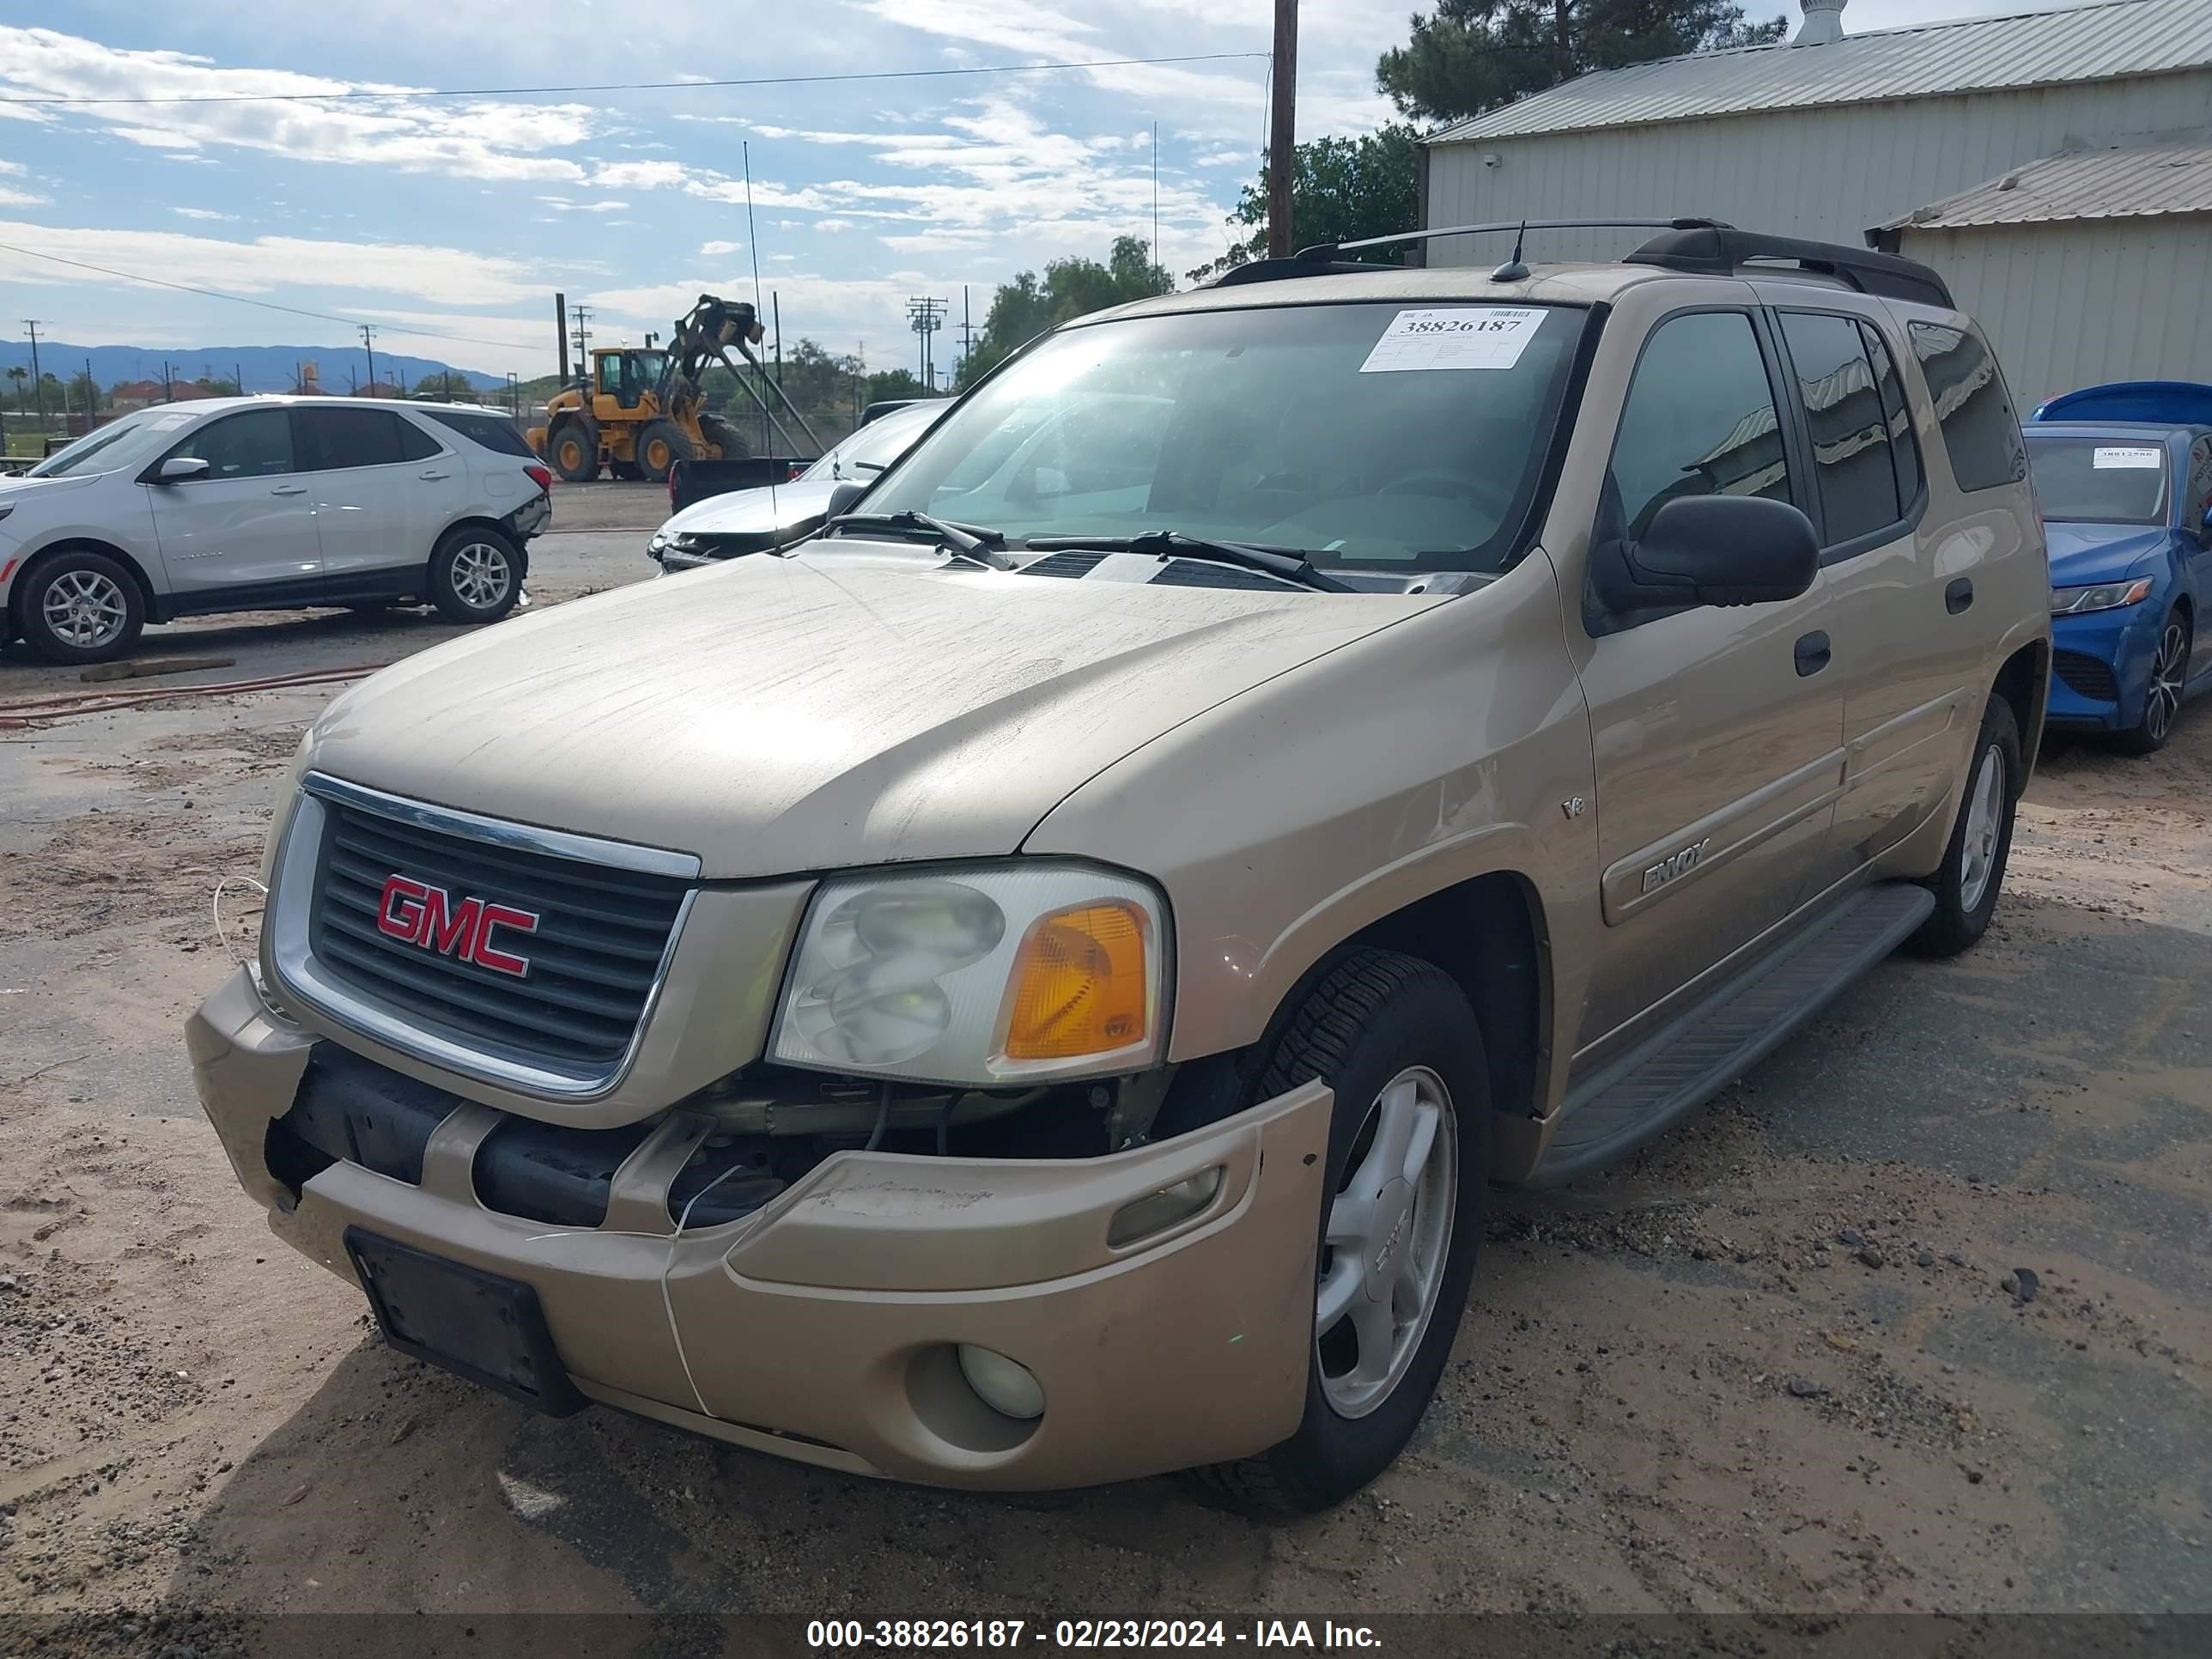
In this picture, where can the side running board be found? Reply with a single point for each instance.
(1627, 1103)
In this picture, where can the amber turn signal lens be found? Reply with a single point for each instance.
(1080, 986)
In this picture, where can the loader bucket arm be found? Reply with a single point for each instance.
(704, 334)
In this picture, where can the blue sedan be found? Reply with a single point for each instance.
(2127, 506)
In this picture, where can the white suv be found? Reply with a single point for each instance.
(266, 504)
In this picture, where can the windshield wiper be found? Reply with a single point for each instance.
(1165, 545)
(978, 542)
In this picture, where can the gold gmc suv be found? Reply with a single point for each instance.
(1031, 987)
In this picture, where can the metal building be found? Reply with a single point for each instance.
(1846, 138)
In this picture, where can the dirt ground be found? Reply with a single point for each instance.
(1786, 1361)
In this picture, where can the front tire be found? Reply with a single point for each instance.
(1401, 1219)
(80, 606)
(476, 574)
(2169, 674)
(1966, 883)
(660, 446)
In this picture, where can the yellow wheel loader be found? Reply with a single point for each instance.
(637, 412)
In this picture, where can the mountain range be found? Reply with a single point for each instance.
(264, 369)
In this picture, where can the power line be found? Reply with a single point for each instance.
(247, 300)
(358, 93)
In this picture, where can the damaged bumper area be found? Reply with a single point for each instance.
(820, 1317)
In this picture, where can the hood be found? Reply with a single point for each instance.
(14, 492)
(2085, 553)
(765, 517)
(778, 715)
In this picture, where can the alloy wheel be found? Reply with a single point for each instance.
(1985, 824)
(2163, 701)
(85, 609)
(482, 574)
(1384, 1247)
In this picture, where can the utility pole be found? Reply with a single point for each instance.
(368, 345)
(561, 335)
(38, 381)
(926, 317)
(1282, 129)
(237, 378)
(582, 314)
(967, 328)
(91, 395)
(168, 383)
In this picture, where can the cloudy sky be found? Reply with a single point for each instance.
(460, 217)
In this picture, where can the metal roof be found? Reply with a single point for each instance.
(2097, 42)
(2095, 184)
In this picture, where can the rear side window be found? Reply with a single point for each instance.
(492, 431)
(250, 445)
(1981, 433)
(332, 439)
(414, 444)
(1837, 389)
(1698, 421)
(1903, 445)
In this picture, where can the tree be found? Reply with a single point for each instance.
(1023, 308)
(1341, 189)
(1469, 56)
(19, 375)
(219, 385)
(892, 384)
(84, 392)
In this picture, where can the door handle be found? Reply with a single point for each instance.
(1812, 654)
(1958, 595)
(434, 475)
(289, 489)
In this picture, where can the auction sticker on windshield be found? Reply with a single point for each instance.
(2128, 459)
(1467, 337)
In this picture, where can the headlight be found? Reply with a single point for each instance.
(659, 544)
(992, 975)
(2104, 595)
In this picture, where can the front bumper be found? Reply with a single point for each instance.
(2101, 666)
(820, 1327)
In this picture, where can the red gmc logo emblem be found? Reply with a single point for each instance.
(427, 916)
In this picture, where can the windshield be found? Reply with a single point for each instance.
(876, 445)
(122, 444)
(1401, 437)
(2099, 480)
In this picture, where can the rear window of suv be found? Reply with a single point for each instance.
(492, 431)
(1980, 431)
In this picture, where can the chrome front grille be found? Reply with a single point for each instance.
(528, 956)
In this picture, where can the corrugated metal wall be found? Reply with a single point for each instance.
(2079, 304)
(1828, 174)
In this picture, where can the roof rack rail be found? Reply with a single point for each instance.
(1723, 250)
(1324, 259)
(1330, 250)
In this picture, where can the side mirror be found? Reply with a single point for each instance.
(181, 469)
(1711, 550)
(842, 497)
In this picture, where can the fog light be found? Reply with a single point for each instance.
(1003, 1384)
(1155, 1213)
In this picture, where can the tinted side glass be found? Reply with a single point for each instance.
(252, 445)
(1843, 413)
(2200, 484)
(414, 444)
(1903, 445)
(1981, 433)
(492, 431)
(334, 438)
(1698, 421)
